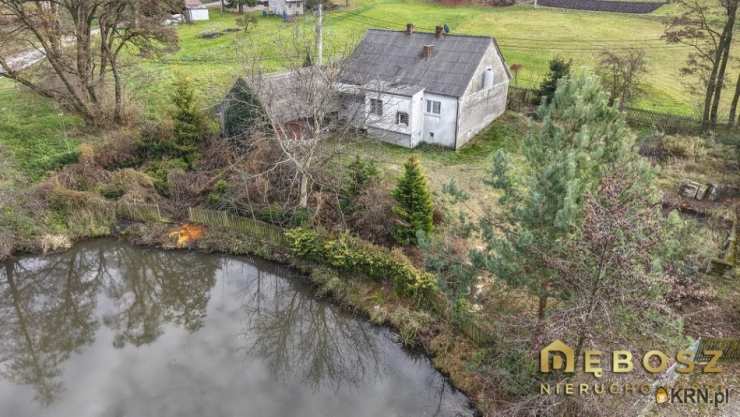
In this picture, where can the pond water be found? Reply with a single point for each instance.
(111, 330)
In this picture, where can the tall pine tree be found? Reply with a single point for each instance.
(581, 139)
(414, 203)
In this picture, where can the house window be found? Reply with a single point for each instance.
(434, 107)
(376, 106)
(402, 118)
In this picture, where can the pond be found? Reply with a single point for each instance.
(112, 330)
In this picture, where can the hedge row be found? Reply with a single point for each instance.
(349, 254)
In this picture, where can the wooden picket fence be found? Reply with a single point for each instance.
(141, 212)
(259, 230)
(476, 333)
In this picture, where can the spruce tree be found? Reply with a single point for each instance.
(190, 123)
(580, 140)
(559, 68)
(414, 203)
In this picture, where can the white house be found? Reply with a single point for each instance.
(286, 7)
(408, 87)
(195, 11)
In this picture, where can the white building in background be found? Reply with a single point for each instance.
(195, 11)
(407, 87)
(287, 8)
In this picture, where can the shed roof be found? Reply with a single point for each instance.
(194, 4)
(396, 57)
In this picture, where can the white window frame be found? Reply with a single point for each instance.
(376, 106)
(400, 116)
(431, 104)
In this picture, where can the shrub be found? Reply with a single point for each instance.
(559, 68)
(276, 214)
(409, 323)
(685, 146)
(414, 207)
(355, 256)
(118, 150)
(516, 370)
(156, 141)
(361, 173)
(373, 218)
(159, 171)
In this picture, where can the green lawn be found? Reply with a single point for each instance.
(35, 132)
(527, 36)
(37, 135)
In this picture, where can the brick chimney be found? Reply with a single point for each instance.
(409, 28)
(427, 53)
(438, 31)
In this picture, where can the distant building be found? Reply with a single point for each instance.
(287, 8)
(408, 87)
(195, 11)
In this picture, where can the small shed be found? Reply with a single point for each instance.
(287, 8)
(195, 11)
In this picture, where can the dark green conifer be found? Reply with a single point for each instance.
(414, 203)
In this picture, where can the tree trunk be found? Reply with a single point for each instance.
(118, 111)
(241, 8)
(540, 326)
(725, 46)
(711, 85)
(733, 106)
(304, 191)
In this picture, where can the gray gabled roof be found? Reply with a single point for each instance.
(396, 58)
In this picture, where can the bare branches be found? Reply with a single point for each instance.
(81, 42)
(621, 72)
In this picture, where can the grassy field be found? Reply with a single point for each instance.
(527, 36)
(36, 133)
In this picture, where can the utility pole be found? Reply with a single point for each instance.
(320, 37)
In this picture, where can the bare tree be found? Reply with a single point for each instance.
(732, 120)
(620, 73)
(82, 41)
(711, 44)
(305, 114)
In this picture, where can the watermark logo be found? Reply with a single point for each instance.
(558, 351)
(692, 395)
(559, 356)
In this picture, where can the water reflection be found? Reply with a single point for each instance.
(153, 287)
(46, 312)
(107, 329)
(301, 337)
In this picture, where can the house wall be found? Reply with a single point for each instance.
(481, 104)
(385, 127)
(439, 129)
